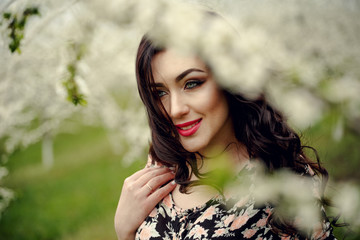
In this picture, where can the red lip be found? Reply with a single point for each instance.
(190, 131)
(187, 123)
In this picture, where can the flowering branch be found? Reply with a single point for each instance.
(16, 25)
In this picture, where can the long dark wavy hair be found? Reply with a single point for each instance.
(258, 126)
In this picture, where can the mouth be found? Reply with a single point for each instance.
(188, 128)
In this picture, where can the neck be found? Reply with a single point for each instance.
(233, 156)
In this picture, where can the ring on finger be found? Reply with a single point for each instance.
(149, 187)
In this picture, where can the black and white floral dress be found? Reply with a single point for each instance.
(219, 218)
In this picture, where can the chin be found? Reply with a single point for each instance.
(194, 147)
(191, 149)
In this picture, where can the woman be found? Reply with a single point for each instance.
(192, 118)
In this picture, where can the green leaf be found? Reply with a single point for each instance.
(6, 15)
(31, 11)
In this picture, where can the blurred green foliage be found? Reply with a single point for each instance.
(76, 199)
(341, 157)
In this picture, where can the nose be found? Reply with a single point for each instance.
(178, 106)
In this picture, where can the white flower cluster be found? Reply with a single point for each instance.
(33, 98)
(303, 55)
(297, 197)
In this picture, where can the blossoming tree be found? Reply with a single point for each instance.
(303, 54)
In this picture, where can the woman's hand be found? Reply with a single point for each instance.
(140, 194)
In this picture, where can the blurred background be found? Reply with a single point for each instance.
(72, 126)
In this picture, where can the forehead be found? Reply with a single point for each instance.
(168, 64)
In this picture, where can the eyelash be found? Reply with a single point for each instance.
(197, 83)
(160, 92)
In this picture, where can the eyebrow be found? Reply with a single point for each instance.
(180, 76)
(186, 72)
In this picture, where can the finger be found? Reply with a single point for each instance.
(149, 161)
(143, 171)
(157, 182)
(160, 180)
(139, 173)
(146, 177)
(160, 193)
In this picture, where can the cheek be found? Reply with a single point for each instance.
(213, 102)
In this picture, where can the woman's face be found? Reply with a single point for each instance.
(193, 100)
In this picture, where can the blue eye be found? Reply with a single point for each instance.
(193, 84)
(161, 93)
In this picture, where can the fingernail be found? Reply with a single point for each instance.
(173, 182)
